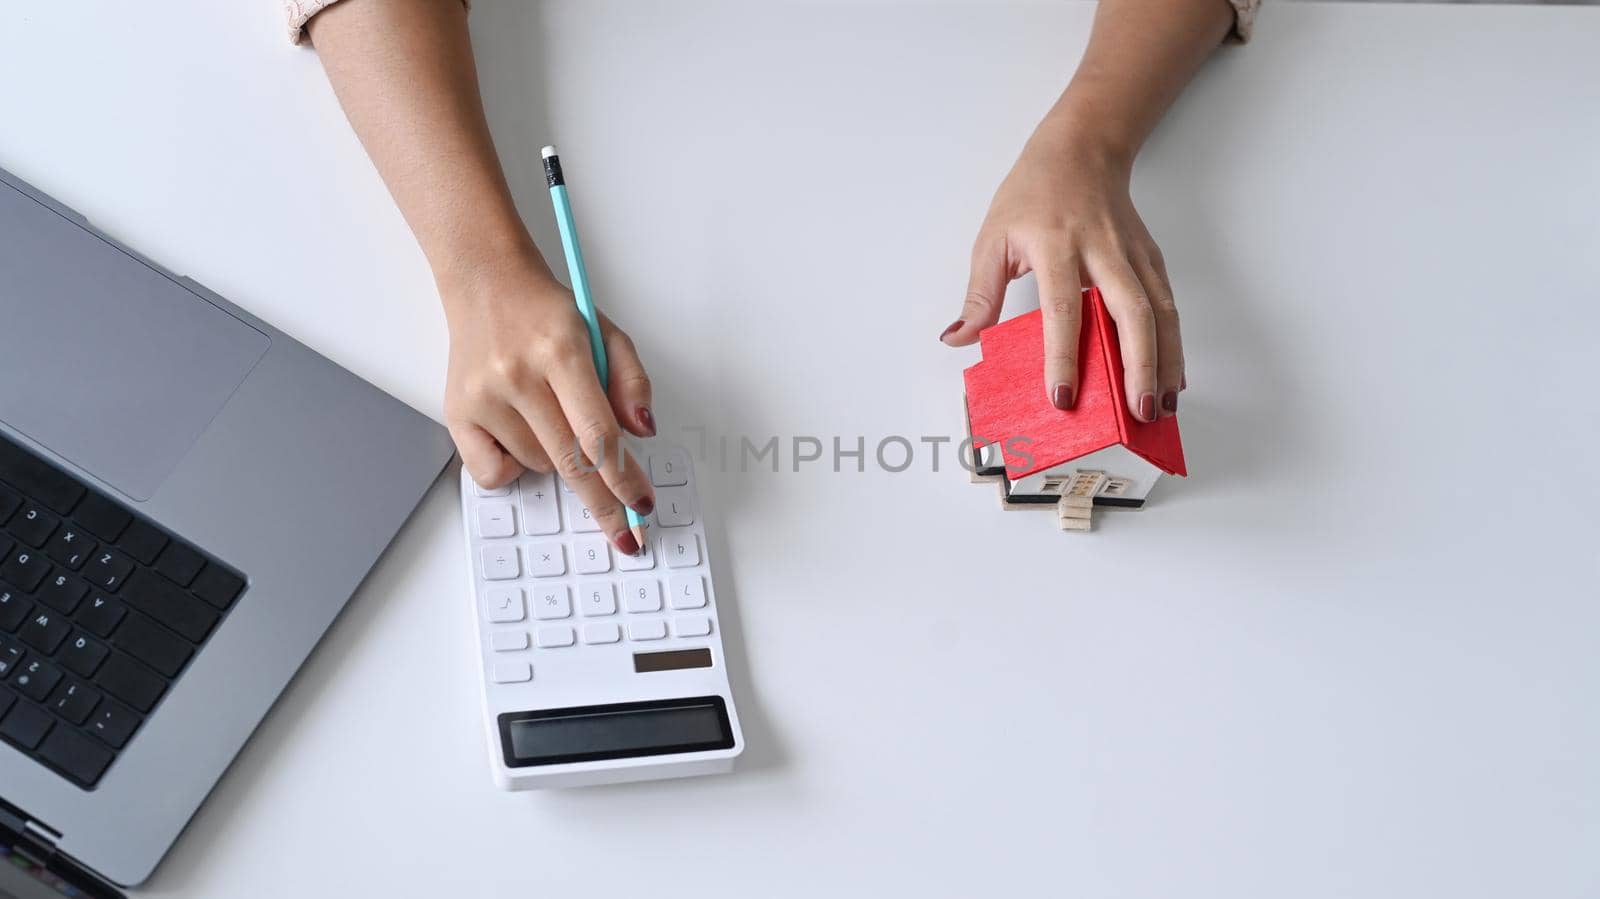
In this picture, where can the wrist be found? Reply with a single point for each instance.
(1076, 128)
(489, 274)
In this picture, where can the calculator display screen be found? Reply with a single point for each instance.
(619, 730)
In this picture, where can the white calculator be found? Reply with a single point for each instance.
(598, 667)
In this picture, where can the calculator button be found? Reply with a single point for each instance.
(591, 555)
(654, 629)
(503, 604)
(551, 601)
(601, 632)
(512, 672)
(496, 520)
(565, 487)
(579, 516)
(642, 562)
(546, 560)
(540, 514)
(681, 550)
(669, 468)
(674, 507)
(642, 594)
(508, 641)
(698, 626)
(597, 598)
(688, 591)
(500, 563)
(550, 637)
(491, 491)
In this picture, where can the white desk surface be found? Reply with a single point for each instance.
(1353, 655)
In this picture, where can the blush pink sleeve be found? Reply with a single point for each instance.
(302, 11)
(1244, 18)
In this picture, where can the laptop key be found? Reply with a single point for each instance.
(107, 570)
(9, 502)
(113, 724)
(154, 596)
(26, 725)
(153, 645)
(130, 682)
(79, 757)
(35, 679)
(74, 701)
(102, 517)
(62, 592)
(180, 564)
(44, 630)
(72, 562)
(33, 477)
(83, 655)
(143, 542)
(10, 656)
(14, 607)
(71, 547)
(24, 567)
(33, 525)
(101, 615)
(217, 586)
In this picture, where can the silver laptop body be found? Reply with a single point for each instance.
(211, 424)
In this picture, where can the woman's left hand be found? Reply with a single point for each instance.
(1065, 214)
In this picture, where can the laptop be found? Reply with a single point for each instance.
(188, 497)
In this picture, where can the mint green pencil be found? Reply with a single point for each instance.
(580, 291)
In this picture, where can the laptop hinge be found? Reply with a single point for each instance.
(40, 839)
(26, 840)
(27, 836)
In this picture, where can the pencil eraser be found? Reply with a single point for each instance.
(547, 152)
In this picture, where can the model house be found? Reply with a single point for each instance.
(1034, 449)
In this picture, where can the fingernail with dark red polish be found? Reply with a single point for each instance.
(648, 420)
(954, 327)
(644, 506)
(1183, 381)
(625, 542)
(1061, 397)
(1147, 407)
(1169, 401)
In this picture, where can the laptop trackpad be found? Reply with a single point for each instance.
(108, 363)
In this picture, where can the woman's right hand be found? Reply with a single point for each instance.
(522, 393)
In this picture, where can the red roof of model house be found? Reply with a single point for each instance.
(1006, 398)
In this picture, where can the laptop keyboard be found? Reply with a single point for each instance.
(100, 611)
